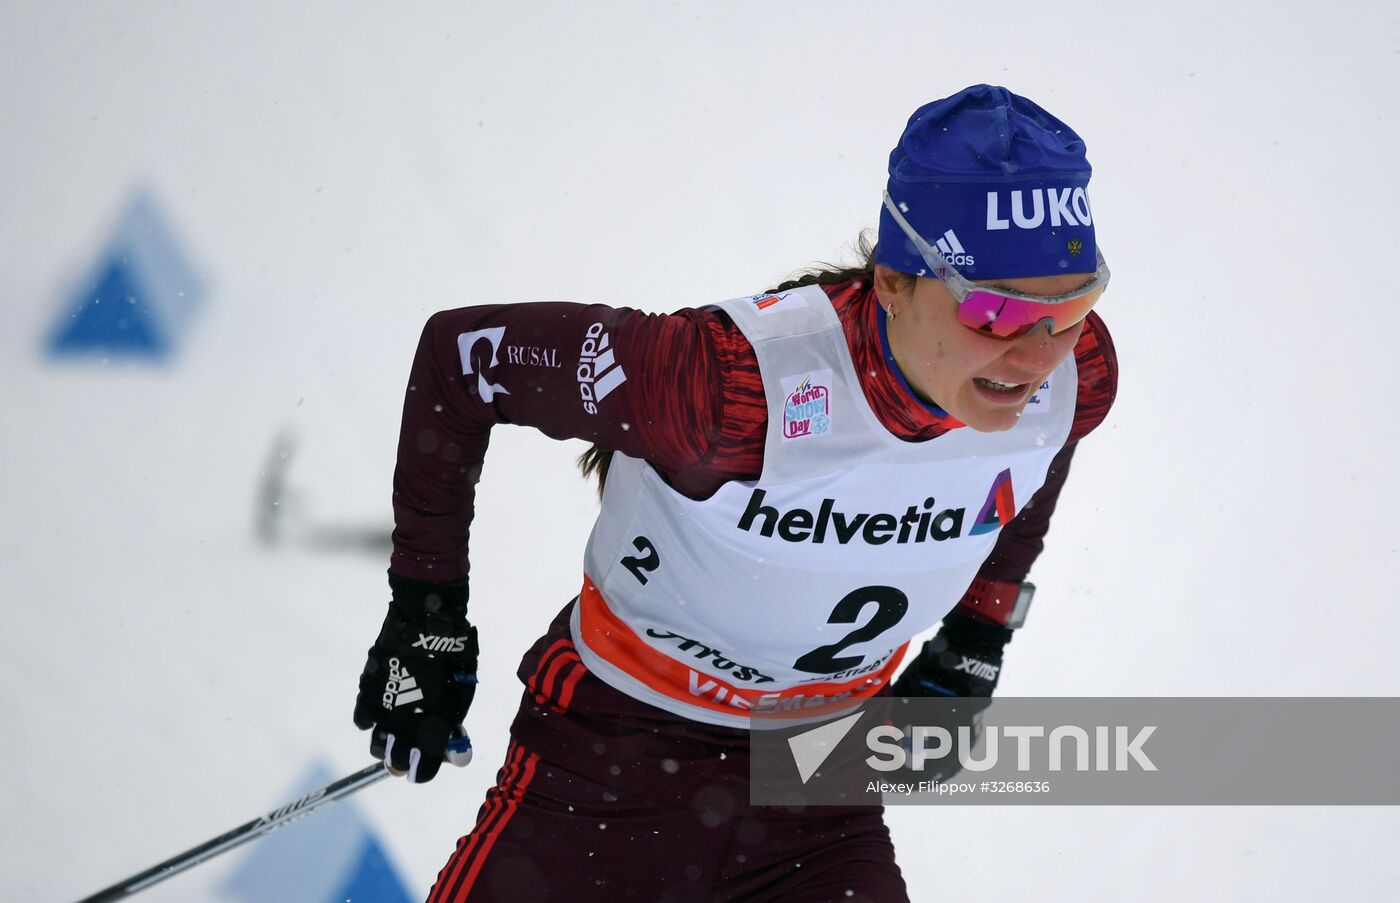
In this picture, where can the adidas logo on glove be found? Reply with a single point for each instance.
(402, 687)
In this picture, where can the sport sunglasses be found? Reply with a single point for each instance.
(999, 312)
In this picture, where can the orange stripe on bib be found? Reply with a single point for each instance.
(607, 636)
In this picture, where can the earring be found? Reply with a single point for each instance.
(889, 312)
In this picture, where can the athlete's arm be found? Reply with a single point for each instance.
(625, 380)
(643, 384)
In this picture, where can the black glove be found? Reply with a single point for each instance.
(419, 680)
(963, 660)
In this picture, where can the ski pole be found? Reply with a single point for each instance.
(242, 834)
(282, 815)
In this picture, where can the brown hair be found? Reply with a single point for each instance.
(594, 462)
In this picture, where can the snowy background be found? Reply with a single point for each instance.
(337, 172)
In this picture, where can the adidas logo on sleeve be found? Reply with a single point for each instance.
(598, 370)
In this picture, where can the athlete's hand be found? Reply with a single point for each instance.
(419, 679)
(964, 661)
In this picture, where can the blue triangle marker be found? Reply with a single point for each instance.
(114, 318)
(136, 297)
(373, 880)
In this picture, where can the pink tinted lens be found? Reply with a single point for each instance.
(1005, 317)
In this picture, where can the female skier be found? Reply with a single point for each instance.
(797, 483)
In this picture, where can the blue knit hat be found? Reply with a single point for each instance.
(995, 183)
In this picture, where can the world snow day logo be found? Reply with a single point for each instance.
(807, 406)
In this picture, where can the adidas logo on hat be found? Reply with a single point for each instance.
(953, 251)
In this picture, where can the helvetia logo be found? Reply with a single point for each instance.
(807, 408)
(598, 372)
(953, 251)
(918, 523)
(401, 688)
(999, 508)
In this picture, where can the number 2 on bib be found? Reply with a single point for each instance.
(892, 606)
(641, 565)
